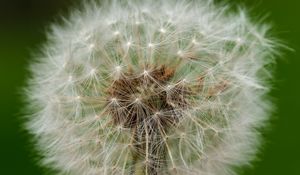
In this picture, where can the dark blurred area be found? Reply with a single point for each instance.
(22, 31)
(15, 11)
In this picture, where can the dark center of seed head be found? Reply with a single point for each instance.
(136, 99)
(148, 104)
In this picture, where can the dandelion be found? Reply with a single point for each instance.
(153, 88)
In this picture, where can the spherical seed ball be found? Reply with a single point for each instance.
(155, 88)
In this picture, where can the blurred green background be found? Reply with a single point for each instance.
(22, 30)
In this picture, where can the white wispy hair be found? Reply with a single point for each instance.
(206, 45)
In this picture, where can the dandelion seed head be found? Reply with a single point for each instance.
(160, 87)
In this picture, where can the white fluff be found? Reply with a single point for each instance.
(67, 91)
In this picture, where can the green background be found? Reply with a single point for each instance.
(22, 30)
